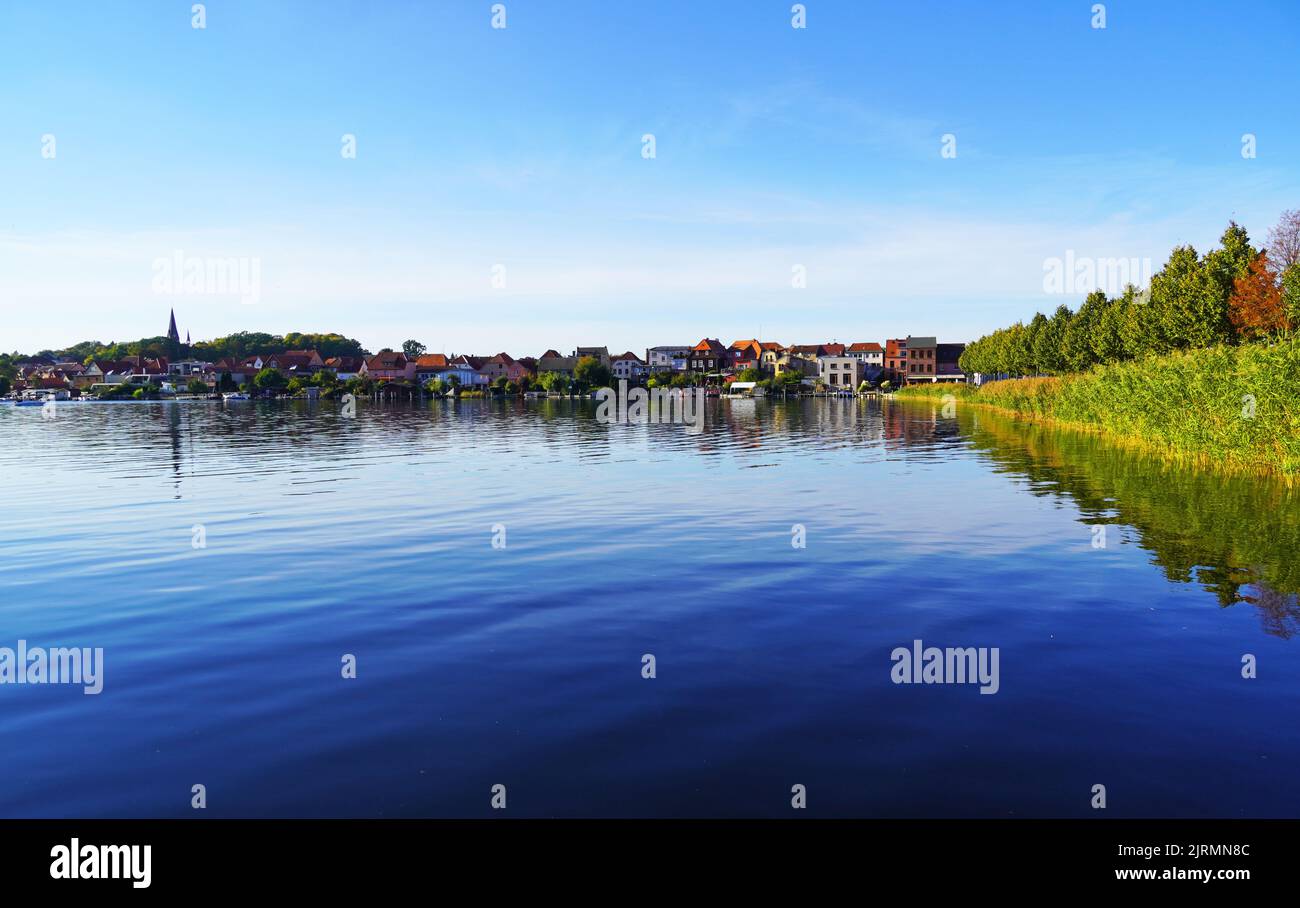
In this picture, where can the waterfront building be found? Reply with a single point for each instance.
(840, 373)
(922, 359)
(628, 366)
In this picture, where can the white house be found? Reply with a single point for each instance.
(840, 373)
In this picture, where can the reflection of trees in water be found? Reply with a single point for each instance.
(1235, 536)
(1278, 612)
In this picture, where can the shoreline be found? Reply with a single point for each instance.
(1226, 409)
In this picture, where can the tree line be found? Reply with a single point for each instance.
(1233, 294)
(239, 345)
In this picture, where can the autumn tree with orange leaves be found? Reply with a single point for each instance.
(1255, 306)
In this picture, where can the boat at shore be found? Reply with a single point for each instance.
(234, 395)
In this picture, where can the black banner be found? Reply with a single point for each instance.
(336, 856)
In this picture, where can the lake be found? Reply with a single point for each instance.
(499, 570)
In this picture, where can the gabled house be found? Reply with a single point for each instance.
(146, 365)
(771, 353)
(238, 372)
(806, 351)
(787, 361)
(503, 365)
(628, 366)
(389, 366)
(708, 356)
(870, 352)
(430, 366)
(345, 368)
(109, 372)
(467, 370)
(562, 364)
(296, 362)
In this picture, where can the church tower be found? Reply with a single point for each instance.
(173, 338)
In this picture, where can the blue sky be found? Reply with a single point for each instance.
(522, 147)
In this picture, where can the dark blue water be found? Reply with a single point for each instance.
(522, 665)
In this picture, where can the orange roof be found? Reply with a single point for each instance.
(431, 361)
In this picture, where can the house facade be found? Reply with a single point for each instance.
(294, 363)
(922, 359)
(345, 368)
(896, 358)
(628, 366)
(389, 366)
(841, 373)
(870, 352)
(708, 356)
(503, 365)
(947, 356)
(562, 364)
(789, 362)
(667, 358)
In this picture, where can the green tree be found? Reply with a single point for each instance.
(198, 386)
(591, 373)
(413, 348)
(1291, 293)
(1190, 308)
(269, 380)
(1231, 261)
(554, 382)
(1077, 344)
(1049, 342)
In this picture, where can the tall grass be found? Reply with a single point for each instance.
(1237, 408)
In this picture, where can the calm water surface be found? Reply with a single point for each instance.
(372, 536)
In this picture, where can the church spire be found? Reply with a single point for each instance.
(172, 334)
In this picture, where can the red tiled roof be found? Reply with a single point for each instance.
(431, 361)
(387, 361)
(709, 345)
(868, 347)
